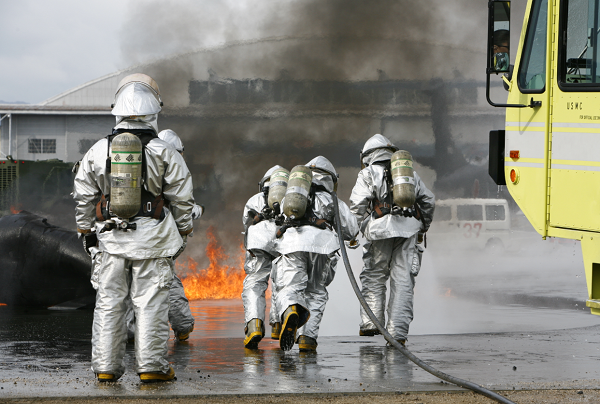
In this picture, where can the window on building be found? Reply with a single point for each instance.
(42, 145)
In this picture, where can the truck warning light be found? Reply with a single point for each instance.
(514, 154)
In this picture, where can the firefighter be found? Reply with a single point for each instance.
(260, 244)
(133, 257)
(180, 315)
(307, 263)
(391, 251)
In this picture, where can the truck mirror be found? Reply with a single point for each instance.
(499, 37)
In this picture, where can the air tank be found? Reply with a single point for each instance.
(403, 179)
(277, 186)
(298, 189)
(126, 175)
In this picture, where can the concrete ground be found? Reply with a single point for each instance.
(45, 360)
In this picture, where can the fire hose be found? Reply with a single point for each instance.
(403, 350)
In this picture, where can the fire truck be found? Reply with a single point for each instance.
(548, 154)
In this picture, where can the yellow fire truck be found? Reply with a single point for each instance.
(548, 154)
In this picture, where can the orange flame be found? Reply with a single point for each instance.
(15, 209)
(448, 293)
(218, 281)
(3, 304)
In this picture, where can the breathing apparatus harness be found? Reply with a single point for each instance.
(403, 350)
(151, 206)
(309, 218)
(387, 207)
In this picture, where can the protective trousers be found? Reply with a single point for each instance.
(301, 279)
(397, 259)
(180, 315)
(258, 268)
(147, 283)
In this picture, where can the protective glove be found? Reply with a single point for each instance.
(178, 253)
(197, 212)
(352, 244)
(89, 240)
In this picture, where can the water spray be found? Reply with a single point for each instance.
(403, 350)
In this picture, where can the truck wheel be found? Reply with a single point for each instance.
(494, 246)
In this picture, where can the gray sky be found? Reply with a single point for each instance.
(52, 46)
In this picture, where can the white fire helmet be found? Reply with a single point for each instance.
(171, 138)
(137, 96)
(376, 142)
(321, 163)
(264, 182)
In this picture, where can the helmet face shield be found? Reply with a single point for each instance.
(136, 99)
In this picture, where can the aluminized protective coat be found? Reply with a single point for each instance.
(371, 184)
(171, 138)
(261, 245)
(140, 122)
(305, 266)
(260, 236)
(146, 282)
(134, 264)
(167, 173)
(399, 260)
(312, 239)
(391, 251)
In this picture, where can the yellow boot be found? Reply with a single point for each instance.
(255, 331)
(158, 377)
(290, 318)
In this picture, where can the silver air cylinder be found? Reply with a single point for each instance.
(277, 186)
(126, 175)
(403, 179)
(296, 195)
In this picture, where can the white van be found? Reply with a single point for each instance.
(471, 223)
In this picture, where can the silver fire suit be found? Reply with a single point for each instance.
(180, 315)
(391, 250)
(260, 243)
(134, 264)
(308, 256)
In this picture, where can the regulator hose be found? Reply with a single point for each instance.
(450, 379)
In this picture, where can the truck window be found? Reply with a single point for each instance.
(469, 212)
(580, 34)
(443, 213)
(532, 71)
(494, 212)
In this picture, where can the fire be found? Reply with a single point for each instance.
(448, 293)
(218, 281)
(15, 209)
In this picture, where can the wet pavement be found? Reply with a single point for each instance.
(505, 322)
(48, 355)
